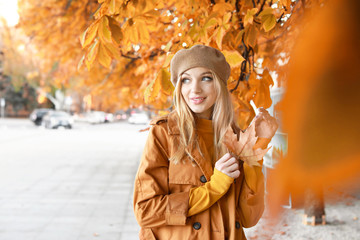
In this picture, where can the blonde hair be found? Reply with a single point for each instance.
(222, 117)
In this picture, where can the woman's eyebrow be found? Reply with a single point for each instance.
(205, 73)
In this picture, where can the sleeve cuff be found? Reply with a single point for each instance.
(177, 208)
(222, 180)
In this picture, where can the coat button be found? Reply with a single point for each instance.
(197, 226)
(203, 179)
(237, 225)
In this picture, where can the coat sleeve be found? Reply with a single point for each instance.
(251, 201)
(154, 206)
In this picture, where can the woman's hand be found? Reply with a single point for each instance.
(265, 125)
(228, 165)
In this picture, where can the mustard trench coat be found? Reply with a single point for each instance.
(161, 193)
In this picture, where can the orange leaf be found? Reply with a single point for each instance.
(116, 33)
(90, 58)
(219, 37)
(234, 58)
(248, 19)
(251, 33)
(268, 19)
(104, 30)
(89, 35)
(103, 56)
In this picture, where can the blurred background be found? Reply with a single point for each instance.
(81, 80)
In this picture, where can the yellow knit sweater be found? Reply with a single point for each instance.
(204, 196)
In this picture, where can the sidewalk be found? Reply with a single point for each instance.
(342, 209)
(78, 184)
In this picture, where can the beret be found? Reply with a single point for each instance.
(199, 56)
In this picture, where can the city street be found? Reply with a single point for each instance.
(77, 185)
(68, 184)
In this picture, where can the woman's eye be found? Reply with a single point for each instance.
(206, 78)
(185, 80)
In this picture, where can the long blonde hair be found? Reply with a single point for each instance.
(222, 117)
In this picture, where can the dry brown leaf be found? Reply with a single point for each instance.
(243, 147)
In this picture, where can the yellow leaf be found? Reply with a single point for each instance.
(248, 19)
(112, 7)
(212, 22)
(268, 19)
(116, 33)
(168, 60)
(222, 7)
(103, 56)
(234, 58)
(262, 92)
(251, 33)
(89, 35)
(227, 17)
(104, 30)
(239, 36)
(219, 37)
(152, 91)
(90, 58)
(112, 50)
(168, 46)
(166, 84)
(81, 62)
(144, 36)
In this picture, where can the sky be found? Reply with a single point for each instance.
(8, 10)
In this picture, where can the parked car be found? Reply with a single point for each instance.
(139, 118)
(37, 115)
(120, 115)
(55, 119)
(109, 117)
(96, 117)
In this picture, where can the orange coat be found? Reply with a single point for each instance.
(161, 193)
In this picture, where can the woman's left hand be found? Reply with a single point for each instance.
(265, 125)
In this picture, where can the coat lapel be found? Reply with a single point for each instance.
(202, 160)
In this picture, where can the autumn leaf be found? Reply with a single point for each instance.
(89, 35)
(262, 89)
(243, 147)
(234, 58)
(248, 19)
(104, 30)
(251, 34)
(268, 19)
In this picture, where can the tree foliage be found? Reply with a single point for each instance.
(123, 48)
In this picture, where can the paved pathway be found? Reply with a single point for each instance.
(68, 184)
(77, 185)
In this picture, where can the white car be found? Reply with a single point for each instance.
(55, 119)
(96, 117)
(139, 118)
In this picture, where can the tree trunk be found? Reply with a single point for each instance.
(314, 208)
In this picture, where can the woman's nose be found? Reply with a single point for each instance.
(196, 87)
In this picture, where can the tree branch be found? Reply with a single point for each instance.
(280, 18)
(261, 8)
(129, 57)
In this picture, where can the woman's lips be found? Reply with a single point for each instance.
(197, 100)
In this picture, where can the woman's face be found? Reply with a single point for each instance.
(198, 90)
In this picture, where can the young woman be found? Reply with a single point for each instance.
(188, 186)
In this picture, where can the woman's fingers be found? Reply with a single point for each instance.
(235, 174)
(228, 165)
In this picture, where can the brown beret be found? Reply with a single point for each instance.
(199, 56)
